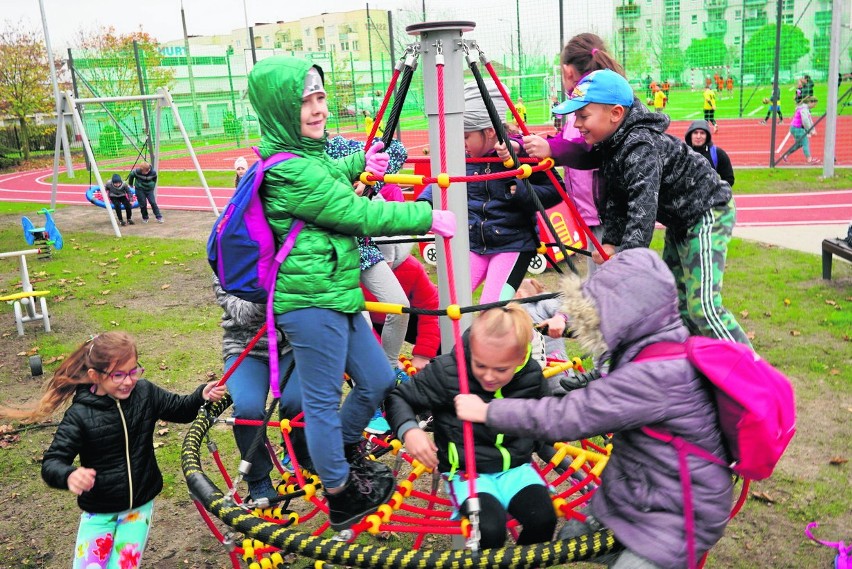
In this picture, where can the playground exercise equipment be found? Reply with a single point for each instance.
(46, 238)
(269, 527)
(95, 196)
(70, 111)
(24, 302)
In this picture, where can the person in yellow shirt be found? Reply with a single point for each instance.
(368, 125)
(710, 107)
(660, 100)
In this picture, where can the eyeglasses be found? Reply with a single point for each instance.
(119, 376)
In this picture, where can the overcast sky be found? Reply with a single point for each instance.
(161, 18)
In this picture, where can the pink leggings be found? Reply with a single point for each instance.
(502, 273)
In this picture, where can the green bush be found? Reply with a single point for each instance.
(110, 141)
(8, 158)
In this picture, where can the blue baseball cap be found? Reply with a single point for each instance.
(603, 86)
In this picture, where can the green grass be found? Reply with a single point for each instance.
(26, 208)
(787, 180)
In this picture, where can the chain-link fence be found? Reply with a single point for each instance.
(679, 46)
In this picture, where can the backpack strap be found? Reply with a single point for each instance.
(844, 552)
(714, 156)
(286, 247)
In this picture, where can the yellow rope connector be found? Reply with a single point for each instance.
(285, 426)
(454, 311)
(310, 491)
(509, 163)
(364, 178)
(526, 171)
(383, 307)
(558, 505)
(405, 179)
(373, 522)
(542, 248)
(443, 180)
(549, 162)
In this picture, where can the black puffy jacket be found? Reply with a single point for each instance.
(723, 162)
(653, 176)
(116, 439)
(435, 387)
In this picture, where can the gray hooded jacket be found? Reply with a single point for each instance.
(629, 303)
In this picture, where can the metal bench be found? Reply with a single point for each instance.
(831, 247)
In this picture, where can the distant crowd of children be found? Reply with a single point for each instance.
(624, 173)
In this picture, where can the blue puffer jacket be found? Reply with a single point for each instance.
(499, 221)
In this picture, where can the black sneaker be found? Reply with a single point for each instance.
(362, 495)
(356, 456)
(121, 223)
(130, 222)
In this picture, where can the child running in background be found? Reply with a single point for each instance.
(119, 193)
(317, 299)
(655, 177)
(583, 54)
(640, 497)
(110, 426)
(144, 180)
(710, 108)
(501, 213)
(240, 167)
(802, 128)
(497, 351)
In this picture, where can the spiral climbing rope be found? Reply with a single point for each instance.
(270, 533)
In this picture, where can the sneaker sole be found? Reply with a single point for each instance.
(346, 524)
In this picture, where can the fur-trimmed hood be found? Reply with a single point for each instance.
(630, 298)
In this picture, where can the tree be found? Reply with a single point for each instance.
(706, 52)
(105, 65)
(25, 87)
(760, 49)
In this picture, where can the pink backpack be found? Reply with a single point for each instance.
(757, 412)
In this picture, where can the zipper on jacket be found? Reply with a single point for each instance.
(126, 452)
(484, 206)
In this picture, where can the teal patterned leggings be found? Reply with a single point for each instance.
(113, 541)
(697, 260)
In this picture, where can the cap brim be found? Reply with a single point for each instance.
(569, 106)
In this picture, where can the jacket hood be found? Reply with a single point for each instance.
(629, 297)
(275, 87)
(699, 125)
(116, 179)
(638, 116)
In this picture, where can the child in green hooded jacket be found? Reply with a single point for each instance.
(318, 299)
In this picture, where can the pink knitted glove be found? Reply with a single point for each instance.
(443, 223)
(376, 161)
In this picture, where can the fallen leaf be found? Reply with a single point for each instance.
(99, 302)
(105, 292)
(167, 262)
(837, 460)
(113, 322)
(795, 333)
(763, 497)
(158, 444)
(831, 303)
(767, 314)
(750, 335)
(128, 255)
(744, 313)
(163, 432)
(50, 361)
(787, 302)
(165, 286)
(833, 371)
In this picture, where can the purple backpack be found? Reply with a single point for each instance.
(242, 249)
(756, 405)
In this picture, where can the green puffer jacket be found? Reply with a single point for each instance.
(322, 270)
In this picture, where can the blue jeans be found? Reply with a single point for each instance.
(325, 343)
(249, 387)
(144, 197)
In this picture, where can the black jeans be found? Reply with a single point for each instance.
(117, 204)
(145, 197)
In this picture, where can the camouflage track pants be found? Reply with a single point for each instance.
(698, 262)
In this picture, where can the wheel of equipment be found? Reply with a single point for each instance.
(36, 368)
(430, 254)
(537, 264)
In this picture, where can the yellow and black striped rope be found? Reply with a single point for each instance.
(359, 555)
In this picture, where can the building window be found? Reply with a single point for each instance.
(736, 40)
(321, 44)
(649, 24)
(354, 45)
(694, 18)
(738, 14)
(344, 46)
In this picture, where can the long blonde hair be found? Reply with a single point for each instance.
(510, 320)
(100, 352)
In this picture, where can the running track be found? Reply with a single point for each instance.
(816, 208)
